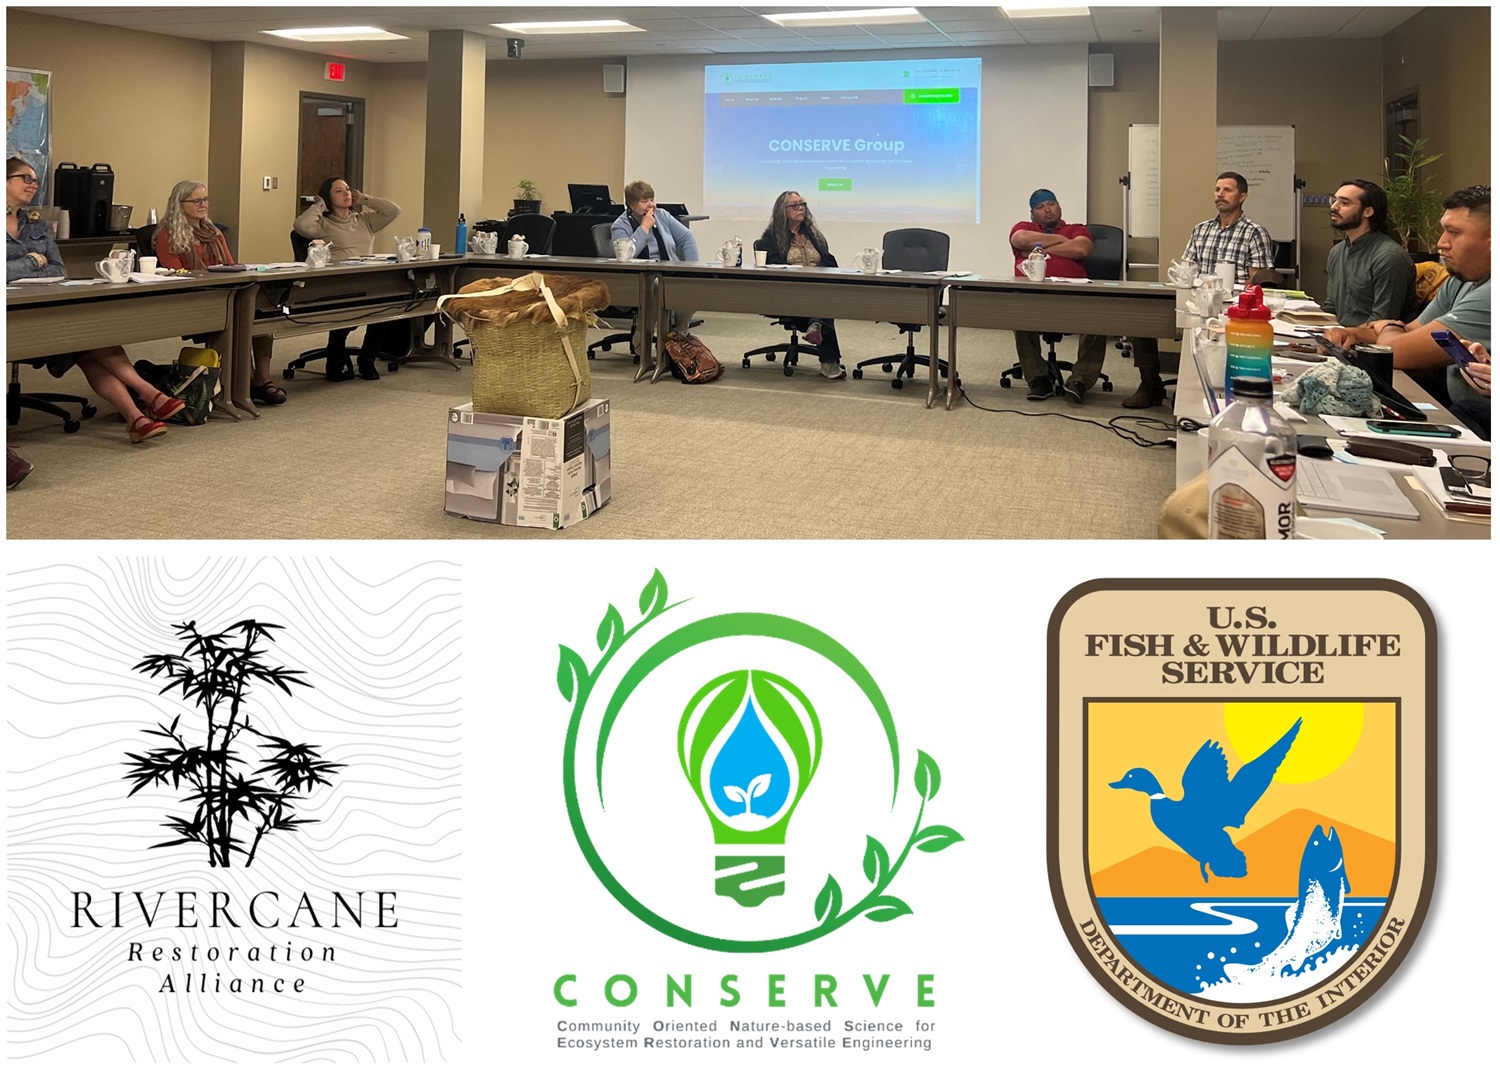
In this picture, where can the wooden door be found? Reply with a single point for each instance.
(330, 138)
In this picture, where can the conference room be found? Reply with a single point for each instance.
(1122, 113)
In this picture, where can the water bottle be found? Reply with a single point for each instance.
(424, 243)
(1252, 467)
(739, 252)
(1247, 334)
(461, 235)
(151, 218)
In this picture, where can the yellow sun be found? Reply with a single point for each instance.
(1329, 734)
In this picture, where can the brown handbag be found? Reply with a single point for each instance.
(694, 361)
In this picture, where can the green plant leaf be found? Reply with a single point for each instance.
(571, 671)
(830, 900)
(877, 861)
(886, 908)
(936, 837)
(928, 778)
(610, 629)
(654, 595)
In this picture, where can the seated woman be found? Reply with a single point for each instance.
(793, 238)
(188, 239)
(31, 253)
(656, 238)
(349, 220)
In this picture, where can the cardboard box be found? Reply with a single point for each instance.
(528, 472)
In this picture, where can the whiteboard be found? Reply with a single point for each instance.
(1263, 154)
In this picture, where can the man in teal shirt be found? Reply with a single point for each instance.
(1370, 276)
(1462, 304)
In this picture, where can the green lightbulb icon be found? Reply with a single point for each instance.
(749, 744)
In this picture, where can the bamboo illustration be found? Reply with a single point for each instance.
(217, 672)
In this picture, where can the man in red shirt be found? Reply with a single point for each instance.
(1066, 245)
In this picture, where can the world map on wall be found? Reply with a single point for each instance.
(28, 123)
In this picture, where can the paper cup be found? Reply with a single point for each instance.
(760, 257)
(434, 250)
(148, 265)
(1225, 271)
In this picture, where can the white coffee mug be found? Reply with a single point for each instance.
(148, 265)
(869, 260)
(517, 247)
(624, 249)
(1035, 266)
(112, 270)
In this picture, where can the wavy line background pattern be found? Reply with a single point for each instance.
(381, 650)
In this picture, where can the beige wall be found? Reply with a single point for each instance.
(395, 145)
(1134, 99)
(94, 121)
(1443, 54)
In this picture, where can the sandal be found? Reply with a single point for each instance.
(267, 394)
(165, 406)
(144, 428)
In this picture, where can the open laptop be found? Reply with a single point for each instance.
(1346, 487)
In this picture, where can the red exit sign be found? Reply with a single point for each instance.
(334, 71)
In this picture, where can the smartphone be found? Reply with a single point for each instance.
(1454, 482)
(1344, 354)
(1410, 429)
(1453, 348)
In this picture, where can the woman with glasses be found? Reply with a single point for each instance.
(793, 238)
(349, 220)
(30, 253)
(188, 239)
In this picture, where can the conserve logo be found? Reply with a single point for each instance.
(731, 780)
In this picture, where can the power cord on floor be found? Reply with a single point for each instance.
(1130, 427)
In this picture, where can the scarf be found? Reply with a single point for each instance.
(209, 247)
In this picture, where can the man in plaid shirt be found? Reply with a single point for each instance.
(1229, 237)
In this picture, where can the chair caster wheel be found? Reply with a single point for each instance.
(1005, 381)
(1107, 386)
(771, 358)
(857, 374)
(744, 363)
(898, 383)
(886, 367)
(591, 353)
(391, 367)
(72, 425)
(89, 410)
(786, 370)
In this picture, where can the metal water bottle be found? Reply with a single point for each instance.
(1252, 467)
(461, 235)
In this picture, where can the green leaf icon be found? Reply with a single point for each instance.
(885, 908)
(928, 778)
(936, 838)
(877, 861)
(610, 629)
(654, 595)
(570, 671)
(826, 906)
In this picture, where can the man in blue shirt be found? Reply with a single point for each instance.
(1462, 304)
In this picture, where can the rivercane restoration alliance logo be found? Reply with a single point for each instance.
(729, 782)
(1242, 805)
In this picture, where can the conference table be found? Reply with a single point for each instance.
(1142, 309)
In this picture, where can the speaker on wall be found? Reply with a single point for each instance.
(614, 78)
(1101, 69)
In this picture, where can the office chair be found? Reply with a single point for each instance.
(1104, 263)
(791, 348)
(300, 246)
(537, 229)
(46, 401)
(605, 249)
(910, 250)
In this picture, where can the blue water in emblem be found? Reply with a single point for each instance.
(748, 754)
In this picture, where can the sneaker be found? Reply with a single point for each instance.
(1074, 390)
(814, 336)
(832, 370)
(144, 428)
(16, 468)
(1041, 388)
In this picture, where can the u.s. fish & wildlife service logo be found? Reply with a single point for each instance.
(1242, 813)
(736, 781)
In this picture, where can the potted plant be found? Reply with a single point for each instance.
(1414, 206)
(528, 199)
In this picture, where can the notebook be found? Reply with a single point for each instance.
(1343, 487)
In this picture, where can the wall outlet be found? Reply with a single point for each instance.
(265, 184)
(275, 182)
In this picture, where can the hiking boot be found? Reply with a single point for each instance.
(1041, 388)
(1074, 390)
(1152, 392)
(832, 370)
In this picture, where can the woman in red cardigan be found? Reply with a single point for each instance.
(188, 239)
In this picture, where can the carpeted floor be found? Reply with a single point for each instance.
(755, 455)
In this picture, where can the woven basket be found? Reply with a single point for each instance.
(530, 357)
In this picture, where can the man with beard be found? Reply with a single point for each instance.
(1462, 304)
(1370, 276)
(1066, 245)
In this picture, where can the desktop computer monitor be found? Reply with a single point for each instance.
(586, 197)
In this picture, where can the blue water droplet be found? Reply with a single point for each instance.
(747, 753)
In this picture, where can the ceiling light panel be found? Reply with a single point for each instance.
(864, 17)
(582, 26)
(337, 33)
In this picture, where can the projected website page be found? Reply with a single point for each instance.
(867, 141)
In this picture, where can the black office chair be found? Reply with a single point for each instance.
(1104, 263)
(910, 250)
(300, 246)
(537, 229)
(46, 401)
(606, 249)
(791, 349)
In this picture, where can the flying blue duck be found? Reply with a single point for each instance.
(1211, 802)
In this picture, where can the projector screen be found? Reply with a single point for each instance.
(870, 140)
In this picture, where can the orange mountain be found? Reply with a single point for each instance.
(1274, 854)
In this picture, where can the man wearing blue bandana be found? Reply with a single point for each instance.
(1066, 245)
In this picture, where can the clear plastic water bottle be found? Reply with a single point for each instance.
(739, 252)
(461, 235)
(1252, 467)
